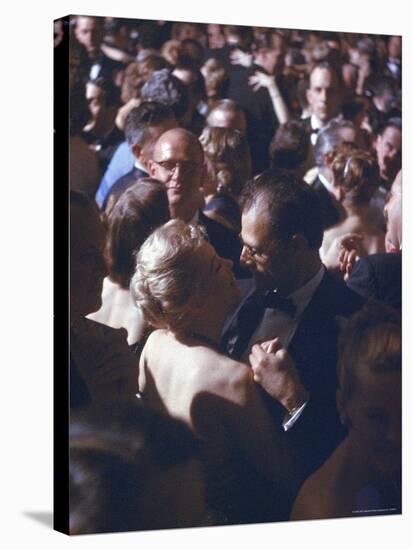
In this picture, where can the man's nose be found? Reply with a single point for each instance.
(245, 256)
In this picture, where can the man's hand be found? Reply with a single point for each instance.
(274, 370)
(238, 57)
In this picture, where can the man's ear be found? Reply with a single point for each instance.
(309, 96)
(137, 151)
(151, 167)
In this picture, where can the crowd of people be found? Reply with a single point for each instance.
(235, 273)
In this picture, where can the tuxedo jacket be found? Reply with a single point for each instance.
(314, 350)
(124, 183)
(260, 115)
(379, 277)
(330, 212)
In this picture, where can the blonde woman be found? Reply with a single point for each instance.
(186, 291)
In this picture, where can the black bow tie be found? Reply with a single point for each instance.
(272, 300)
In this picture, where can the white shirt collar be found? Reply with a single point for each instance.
(139, 166)
(326, 183)
(314, 122)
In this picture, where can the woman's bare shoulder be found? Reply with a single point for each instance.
(312, 499)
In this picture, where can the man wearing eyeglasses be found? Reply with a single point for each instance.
(178, 163)
(288, 322)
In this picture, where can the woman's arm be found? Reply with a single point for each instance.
(259, 80)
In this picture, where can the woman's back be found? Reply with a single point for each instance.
(373, 237)
(355, 176)
(217, 398)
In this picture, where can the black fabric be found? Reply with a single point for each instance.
(379, 277)
(330, 211)
(260, 115)
(124, 183)
(226, 244)
(79, 394)
(313, 349)
(105, 147)
(249, 315)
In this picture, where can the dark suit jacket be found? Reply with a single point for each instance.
(330, 212)
(314, 350)
(260, 115)
(379, 277)
(124, 183)
(225, 242)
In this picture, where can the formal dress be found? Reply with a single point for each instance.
(330, 211)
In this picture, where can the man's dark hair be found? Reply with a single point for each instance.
(138, 211)
(111, 92)
(165, 88)
(329, 67)
(198, 88)
(191, 51)
(328, 137)
(148, 113)
(393, 122)
(290, 146)
(378, 85)
(292, 206)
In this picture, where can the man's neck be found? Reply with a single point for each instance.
(302, 276)
(186, 210)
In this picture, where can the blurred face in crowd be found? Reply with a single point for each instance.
(374, 416)
(389, 151)
(96, 100)
(271, 59)
(393, 216)
(87, 264)
(89, 32)
(271, 261)
(178, 164)
(215, 36)
(323, 94)
(394, 46)
(220, 118)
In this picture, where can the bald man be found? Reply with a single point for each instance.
(178, 163)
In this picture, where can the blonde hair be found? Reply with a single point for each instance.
(169, 274)
(354, 170)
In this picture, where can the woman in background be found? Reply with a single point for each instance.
(136, 213)
(186, 292)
